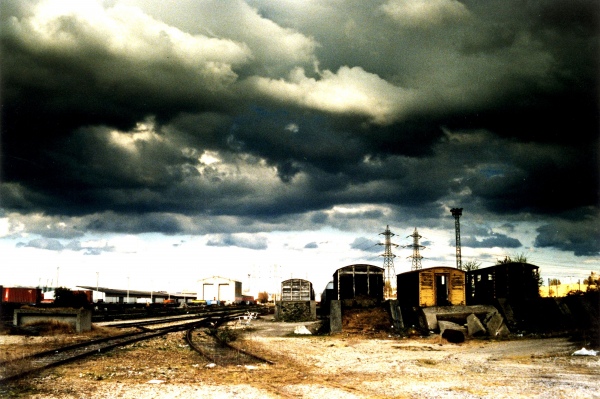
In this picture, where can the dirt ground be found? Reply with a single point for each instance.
(355, 364)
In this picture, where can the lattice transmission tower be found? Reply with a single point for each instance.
(457, 213)
(388, 262)
(416, 247)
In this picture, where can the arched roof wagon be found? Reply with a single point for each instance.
(434, 286)
(513, 280)
(359, 281)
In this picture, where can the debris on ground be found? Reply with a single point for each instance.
(585, 352)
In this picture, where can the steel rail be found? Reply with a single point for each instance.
(19, 368)
(219, 342)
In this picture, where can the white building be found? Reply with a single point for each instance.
(221, 289)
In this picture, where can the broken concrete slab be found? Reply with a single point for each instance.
(475, 326)
(453, 332)
(503, 331)
(454, 336)
(432, 314)
(495, 325)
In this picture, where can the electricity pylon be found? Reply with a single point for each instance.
(388, 262)
(416, 255)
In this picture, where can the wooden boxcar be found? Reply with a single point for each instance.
(513, 280)
(434, 286)
(359, 281)
(296, 289)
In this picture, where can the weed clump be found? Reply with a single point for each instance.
(46, 328)
(223, 335)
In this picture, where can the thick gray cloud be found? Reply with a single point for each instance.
(495, 240)
(237, 240)
(52, 244)
(211, 117)
(581, 237)
(366, 244)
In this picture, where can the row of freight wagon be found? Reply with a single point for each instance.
(32, 296)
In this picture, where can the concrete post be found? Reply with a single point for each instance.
(335, 317)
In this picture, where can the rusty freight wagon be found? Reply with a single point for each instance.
(297, 301)
(297, 289)
(359, 283)
(434, 286)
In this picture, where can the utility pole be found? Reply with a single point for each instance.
(457, 213)
(388, 262)
(416, 256)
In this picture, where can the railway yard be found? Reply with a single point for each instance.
(274, 360)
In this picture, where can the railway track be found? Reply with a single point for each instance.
(214, 345)
(19, 368)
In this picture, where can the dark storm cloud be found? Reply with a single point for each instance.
(581, 237)
(495, 240)
(143, 119)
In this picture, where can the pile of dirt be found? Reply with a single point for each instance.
(365, 321)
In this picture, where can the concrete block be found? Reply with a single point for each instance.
(452, 332)
(80, 319)
(503, 331)
(493, 323)
(335, 317)
(396, 314)
(475, 326)
(434, 313)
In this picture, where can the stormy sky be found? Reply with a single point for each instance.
(196, 136)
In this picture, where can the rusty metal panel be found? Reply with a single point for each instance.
(21, 295)
(457, 287)
(426, 288)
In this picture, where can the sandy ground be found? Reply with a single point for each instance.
(357, 365)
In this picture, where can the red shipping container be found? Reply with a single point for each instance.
(21, 295)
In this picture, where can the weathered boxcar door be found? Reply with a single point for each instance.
(426, 288)
(441, 289)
